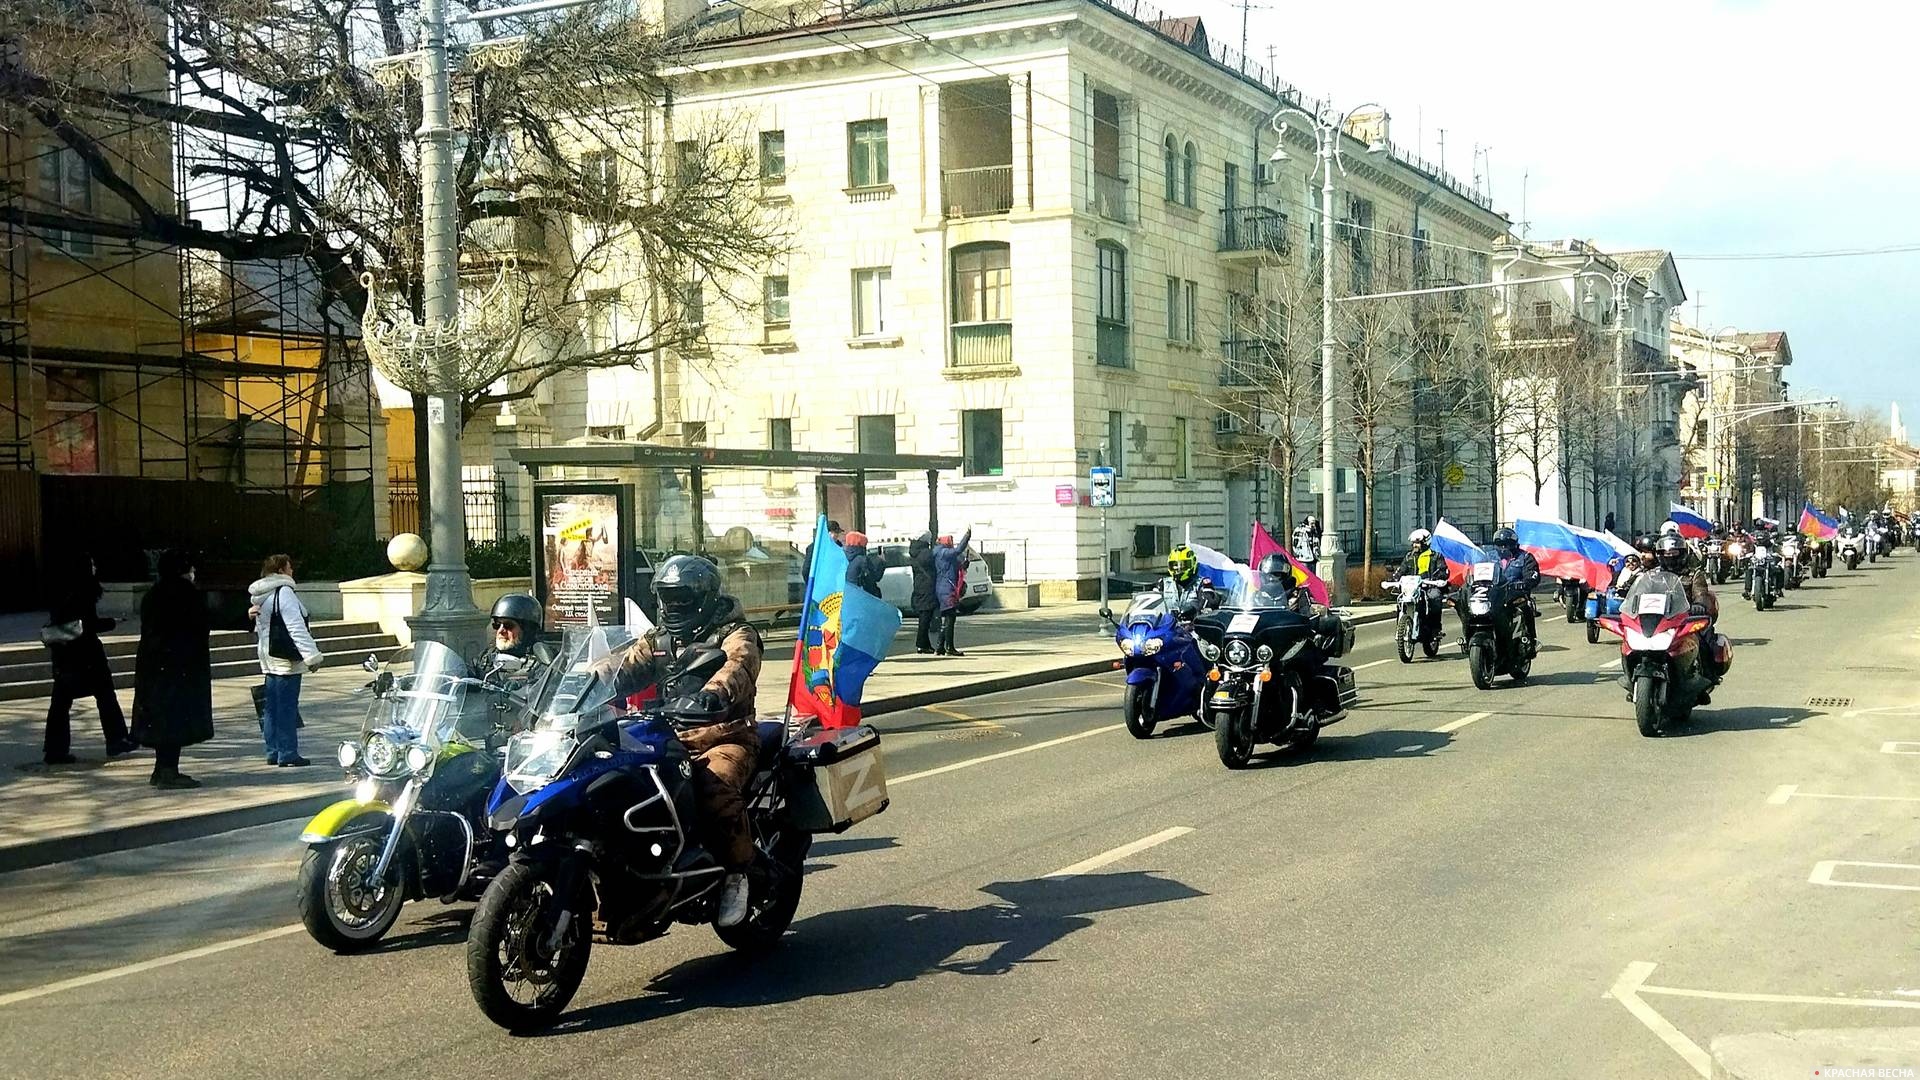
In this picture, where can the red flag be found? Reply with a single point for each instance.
(1265, 545)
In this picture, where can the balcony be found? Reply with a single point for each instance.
(1111, 344)
(1254, 230)
(1110, 196)
(1665, 433)
(978, 192)
(982, 345)
(1541, 328)
(1244, 363)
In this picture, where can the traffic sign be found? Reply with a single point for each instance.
(1065, 494)
(1713, 481)
(1100, 478)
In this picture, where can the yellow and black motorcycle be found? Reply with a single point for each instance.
(425, 761)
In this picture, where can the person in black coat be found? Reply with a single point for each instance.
(79, 663)
(173, 674)
(925, 605)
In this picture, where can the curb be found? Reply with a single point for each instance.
(147, 834)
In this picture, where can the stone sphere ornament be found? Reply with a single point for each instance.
(407, 552)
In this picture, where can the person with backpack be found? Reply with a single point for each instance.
(950, 582)
(286, 652)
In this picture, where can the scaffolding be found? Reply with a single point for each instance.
(243, 373)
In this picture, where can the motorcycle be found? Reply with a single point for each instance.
(1601, 603)
(1792, 569)
(1165, 672)
(1571, 596)
(415, 827)
(1819, 556)
(1417, 603)
(1492, 627)
(598, 812)
(1715, 552)
(1851, 547)
(1766, 581)
(1267, 687)
(1738, 561)
(1666, 665)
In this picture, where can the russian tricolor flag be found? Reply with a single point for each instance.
(1460, 552)
(1570, 552)
(1692, 525)
(1220, 571)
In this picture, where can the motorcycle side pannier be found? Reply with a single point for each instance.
(849, 778)
(1339, 640)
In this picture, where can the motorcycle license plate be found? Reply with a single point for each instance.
(1243, 623)
(1483, 571)
(1652, 605)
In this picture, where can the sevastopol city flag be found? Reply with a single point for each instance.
(1460, 552)
(1568, 552)
(1692, 525)
(1219, 571)
(844, 634)
(1816, 524)
(1264, 545)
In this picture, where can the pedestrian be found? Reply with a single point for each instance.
(173, 673)
(835, 533)
(79, 663)
(1609, 523)
(864, 568)
(287, 652)
(925, 574)
(950, 579)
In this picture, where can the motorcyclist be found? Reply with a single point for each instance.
(518, 623)
(716, 717)
(1425, 563)
(1186, 591)
(1520, 571)
(1673, 555)
(1671, 529)
(1280, 584)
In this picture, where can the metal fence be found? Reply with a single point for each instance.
(491, 498)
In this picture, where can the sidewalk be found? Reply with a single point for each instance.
(54, 814)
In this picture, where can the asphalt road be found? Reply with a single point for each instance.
(1454, 884)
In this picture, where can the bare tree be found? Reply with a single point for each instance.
(1270, 381)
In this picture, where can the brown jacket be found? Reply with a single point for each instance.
(649, 661)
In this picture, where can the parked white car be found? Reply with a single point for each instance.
(896, 584)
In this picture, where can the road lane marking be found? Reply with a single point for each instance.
(1900, 747)
(1627, 989)
(147, 965)
(1823, 875)
(1613, 663)
(970, 721)
(1121, 852)
(1374, 663)
(1781, 794)
(983, 759)
(1792, 791)
(1460, 723)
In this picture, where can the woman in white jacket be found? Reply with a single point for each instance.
(294, 656)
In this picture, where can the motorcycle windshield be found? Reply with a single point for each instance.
(1248, 596)
(1148, 608)
(425, 703)
(578, 693)
(1657, 583)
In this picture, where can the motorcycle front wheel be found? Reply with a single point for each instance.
(1403, 641)
(1646, 705)
(1139, 710)
(1593, 633)
(340, 908)
(1480, 666)
(521, 977)
(1233, 737)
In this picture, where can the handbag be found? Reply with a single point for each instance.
(280, 644)
(260, 708)
(65, 633)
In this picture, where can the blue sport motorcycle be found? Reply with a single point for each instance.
(596, 807)
(1165, 671)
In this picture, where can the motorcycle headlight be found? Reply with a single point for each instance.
(1151, 646)
(1209, 650)
(1480, 605)
(383, 756)
(419, 758)
(1129, 646)
(349, 754)
(1238, 653)
(1263, 654)
(1734, 550)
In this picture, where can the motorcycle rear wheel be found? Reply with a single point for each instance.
(1431, 645)
(1521, 669)
(773, 897)
(1646, 706)
(1480, 666)
(507, 942)
(1139, 710)
(1593, 633)
(332, 884)
(1233, 738)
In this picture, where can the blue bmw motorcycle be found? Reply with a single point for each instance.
(597, 810)
(1165, 671)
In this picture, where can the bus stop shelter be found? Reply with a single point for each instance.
(605, 514)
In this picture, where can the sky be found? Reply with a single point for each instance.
(1706, 128)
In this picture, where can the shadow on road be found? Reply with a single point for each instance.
(1560, 678)
(1709, 721)
(1368, 746)
(850, 952)
(1798, 607)
(446, 927)
(1749, 642)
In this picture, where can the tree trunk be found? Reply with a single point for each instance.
(1366, 537)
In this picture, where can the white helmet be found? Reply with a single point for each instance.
(1669, 528)
(1419, 536)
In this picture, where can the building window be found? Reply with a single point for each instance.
(65, 183)
(776, 311)
(694, 432)
(1183, 315)
(602, 320)
(616, 432)
(875, 434)
(870, 288)
(73, 439)
(600, 177)
(780, 433)
(1189, 173)
(686, 162)
(693, 305)
(1171, 167)
(1182, 449)
(980, 443)
(773, 156)
(1115, 449)
(867, 153)
(1111, 321)
(982, 283)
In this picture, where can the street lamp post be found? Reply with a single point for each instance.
(1326, 131)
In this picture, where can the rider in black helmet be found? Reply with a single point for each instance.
(1521, 571)
(1280, 581)
(517, 624)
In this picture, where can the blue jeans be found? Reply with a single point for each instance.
(280, 723)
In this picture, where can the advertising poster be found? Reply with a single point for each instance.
(580, 556)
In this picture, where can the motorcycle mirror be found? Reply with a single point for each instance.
(371, 663)
(1107, 614)
(382, 683)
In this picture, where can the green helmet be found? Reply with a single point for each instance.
(1182, 564)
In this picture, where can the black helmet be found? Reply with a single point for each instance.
(688, 590)
(525, 611)
(1672, 553)
(1506, 538)
(1276, 570)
